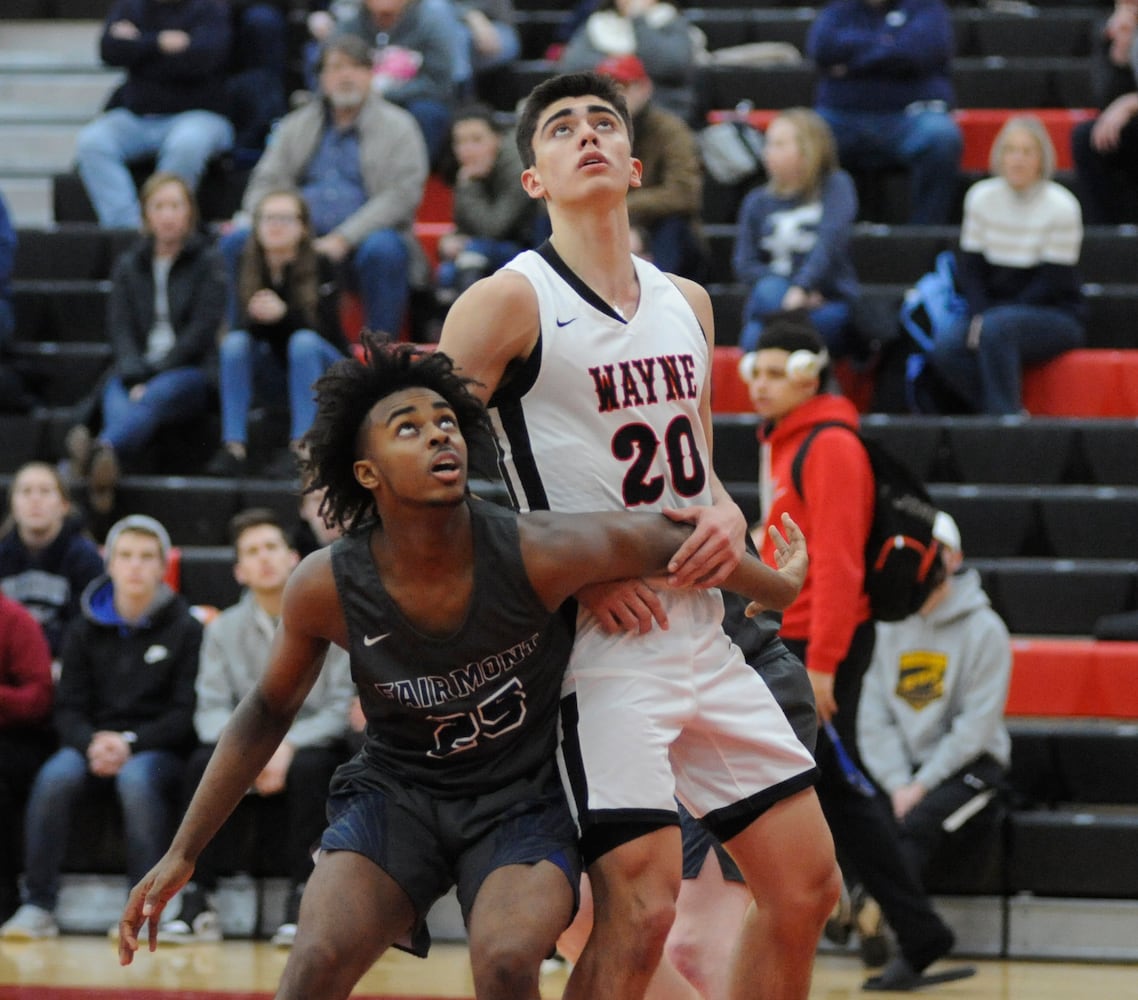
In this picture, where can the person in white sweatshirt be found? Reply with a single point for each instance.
(931, 719)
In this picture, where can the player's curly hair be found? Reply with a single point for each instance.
(345, 395)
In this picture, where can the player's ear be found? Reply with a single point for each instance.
(531, 183)
(365, 475)
(637, 172)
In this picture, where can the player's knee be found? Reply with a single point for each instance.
(505, 967)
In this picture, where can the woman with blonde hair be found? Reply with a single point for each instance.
(287, 332)
(166, 306)
(793, 233)
(1017, 267)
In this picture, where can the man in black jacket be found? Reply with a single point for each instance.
(124, 713)
(172, 104)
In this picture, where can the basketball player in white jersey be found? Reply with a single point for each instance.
(597, 370)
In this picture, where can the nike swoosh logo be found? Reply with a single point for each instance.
(371, 640)
(566, 322)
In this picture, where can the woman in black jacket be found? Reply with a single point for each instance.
(166, 306)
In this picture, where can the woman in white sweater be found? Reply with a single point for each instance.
(1017, 268)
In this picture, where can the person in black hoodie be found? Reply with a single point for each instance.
(124, 714)
(172, 104)
(46, 558)
(165, 309)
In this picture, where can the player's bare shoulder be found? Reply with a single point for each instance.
(700, 301)
(311, 600)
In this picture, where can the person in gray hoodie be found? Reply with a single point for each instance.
(931, 721)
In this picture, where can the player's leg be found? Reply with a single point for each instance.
(517, 917)
(634, 887)
(787, 858)
(351, 913)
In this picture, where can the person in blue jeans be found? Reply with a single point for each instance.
(1017, 267)
(792, 241)
(164, 311)
(172, 104)
(361, 164)
(885, 89)
(287, 332)
(124, 714)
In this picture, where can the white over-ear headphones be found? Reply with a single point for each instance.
(803, 365)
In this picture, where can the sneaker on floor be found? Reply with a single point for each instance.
(873, 945)
(285, 936)
(29, 923)
(195, 923)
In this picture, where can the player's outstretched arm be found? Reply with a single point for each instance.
(257, 726)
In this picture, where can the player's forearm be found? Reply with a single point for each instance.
(756, 581)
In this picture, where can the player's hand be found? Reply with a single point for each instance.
(823, 685)
(905, 798)
(624, 606)
(790, 555)
(147, 901)
(271, 780)
(713, 550)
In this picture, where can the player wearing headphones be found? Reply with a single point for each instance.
(829, 625)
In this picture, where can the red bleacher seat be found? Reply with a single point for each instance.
(728, 391)
(1081, 677)
(979, 127)
(1084, 383)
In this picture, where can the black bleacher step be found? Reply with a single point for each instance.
(736, 448)
(61, 374)
(1061, 597)
(60, 310)
(916, 441)
(1082, 851)
(72, 252)
(1072, 760)
(21, 436)
(1025, 450)
(1109, 449)
(1095, 521)
(207, 575)
(194, 510)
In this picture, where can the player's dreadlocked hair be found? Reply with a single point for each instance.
(345, 394)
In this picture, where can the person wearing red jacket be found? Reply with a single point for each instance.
(829, 626)
(26, 736)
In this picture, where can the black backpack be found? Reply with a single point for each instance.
(902, 559)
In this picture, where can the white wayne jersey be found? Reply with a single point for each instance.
(604, 414)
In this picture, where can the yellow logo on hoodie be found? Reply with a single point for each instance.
(920, 679)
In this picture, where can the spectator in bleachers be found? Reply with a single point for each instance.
(164, 313)
(1105, 150)
(829, 625)
(666, 203)
(172, 104)
(493, 215)
(415, 47)
(26, 737)
(124, 710)
(792, 240)
(654, 31)
(931, 720)
(361, 164)
(490, 33)
(885, 89)
(288, 330)
(46, 558)
(312, 532)
(291, 792)
(256, 88)
(1017, 267)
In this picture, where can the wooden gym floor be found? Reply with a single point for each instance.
(86, 968)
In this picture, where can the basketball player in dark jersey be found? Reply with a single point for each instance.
(448, 607)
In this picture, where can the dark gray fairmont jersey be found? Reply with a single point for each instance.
(463, 714)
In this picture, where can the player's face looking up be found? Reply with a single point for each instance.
(412, 450)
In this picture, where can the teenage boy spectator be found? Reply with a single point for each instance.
(292, 789)
(829, 625)
(886, 92)
(667, 203)
(361, 165)
(930, 725)
(172, 105)
(124, 715)
(26, 737)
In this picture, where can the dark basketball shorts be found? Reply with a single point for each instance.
(428, 844)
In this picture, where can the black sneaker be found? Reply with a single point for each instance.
(283, 465)
(225, 465)
(873, 944)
